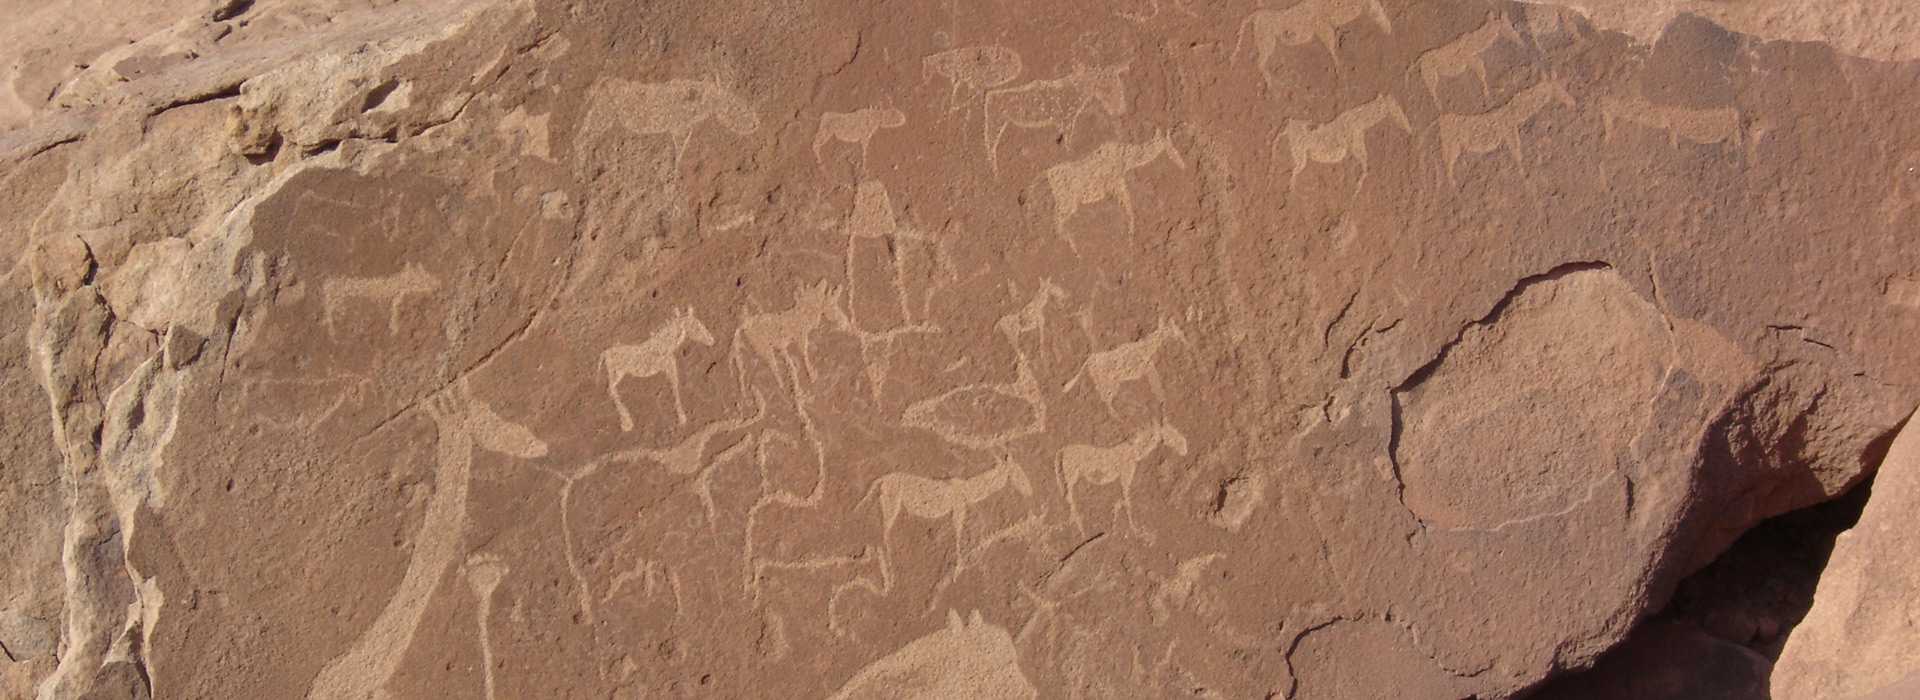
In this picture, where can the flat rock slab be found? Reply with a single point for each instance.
(1344, 348)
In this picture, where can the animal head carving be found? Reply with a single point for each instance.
(1016, 477)
(691, 325)
(1173, 439)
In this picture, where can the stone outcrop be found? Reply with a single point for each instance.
(1859, 638)
(516, 348)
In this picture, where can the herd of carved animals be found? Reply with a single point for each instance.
(781, 341)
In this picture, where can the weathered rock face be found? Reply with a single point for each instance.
(1859, 638)
(528, 349)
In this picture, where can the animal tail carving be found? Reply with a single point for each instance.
(1240, 38)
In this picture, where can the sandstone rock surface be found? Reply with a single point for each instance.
(1316, 349)
(1862, 635)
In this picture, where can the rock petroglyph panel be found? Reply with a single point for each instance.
(1094, 348)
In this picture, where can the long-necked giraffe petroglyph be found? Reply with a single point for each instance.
(1108, 369)
(1054, 103)
(1120, 464)
(1302, 23)
(1343, 137)
(673, 108)
(1101, 175)
(658, 355)
(1463, 54)
(1485, 133)
(856, 127)
(464, 424)
(774, 335)
(975, 69)
(395, 288)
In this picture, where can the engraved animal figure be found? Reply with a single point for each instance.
(1055, 103)
(1109, 369)
(773, 336)
(974, 69)
(659, 355)
(934, 499)
(1702, 126)
(689, 455)
(1032, 317)
(1485, 133)
(1463, 54)
(1303, 23)
(394, 289)
(970, 659)
(1180, 6)
(484, 573)
(1342, 138)
(674, 108)
(464, 424)
(1101, 175)
(856, 127)
(1120, 464)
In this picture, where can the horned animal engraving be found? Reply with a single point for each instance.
(394, 289)
(1032, 317)
(673, 108)
(1102, 175)
(1485, 133)
(974, 69)
(1112, 464)
(1463, 54)
(856, 127)
(1702, 126)
(464, 424)
(1055, 103)
(934, 499)
(774, 335)
(1303, 23)
(1344, 137)
(1109, 369)
(658, 355)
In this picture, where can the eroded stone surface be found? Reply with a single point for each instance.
(513, 349)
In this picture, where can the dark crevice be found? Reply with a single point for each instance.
(1739, 609)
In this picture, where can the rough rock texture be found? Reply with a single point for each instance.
(1332, 348)
(1863, 633)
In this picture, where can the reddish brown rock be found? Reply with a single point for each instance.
(1335, 349)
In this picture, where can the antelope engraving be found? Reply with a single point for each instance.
(1344, 137)
(1102, 175)
(1485, 133)
(933, 499)
(1702, 126)
(674, 108)
(1463, 54)
(464, 424)
(1032, 317)
(689, 455)
(973, 69)
(1055, 103)
(1109, 369)
(658, 355)
(856, 127)
(1303, 23)
(394, 289)
(971, 659)
(1102, 466)
(774, 335)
